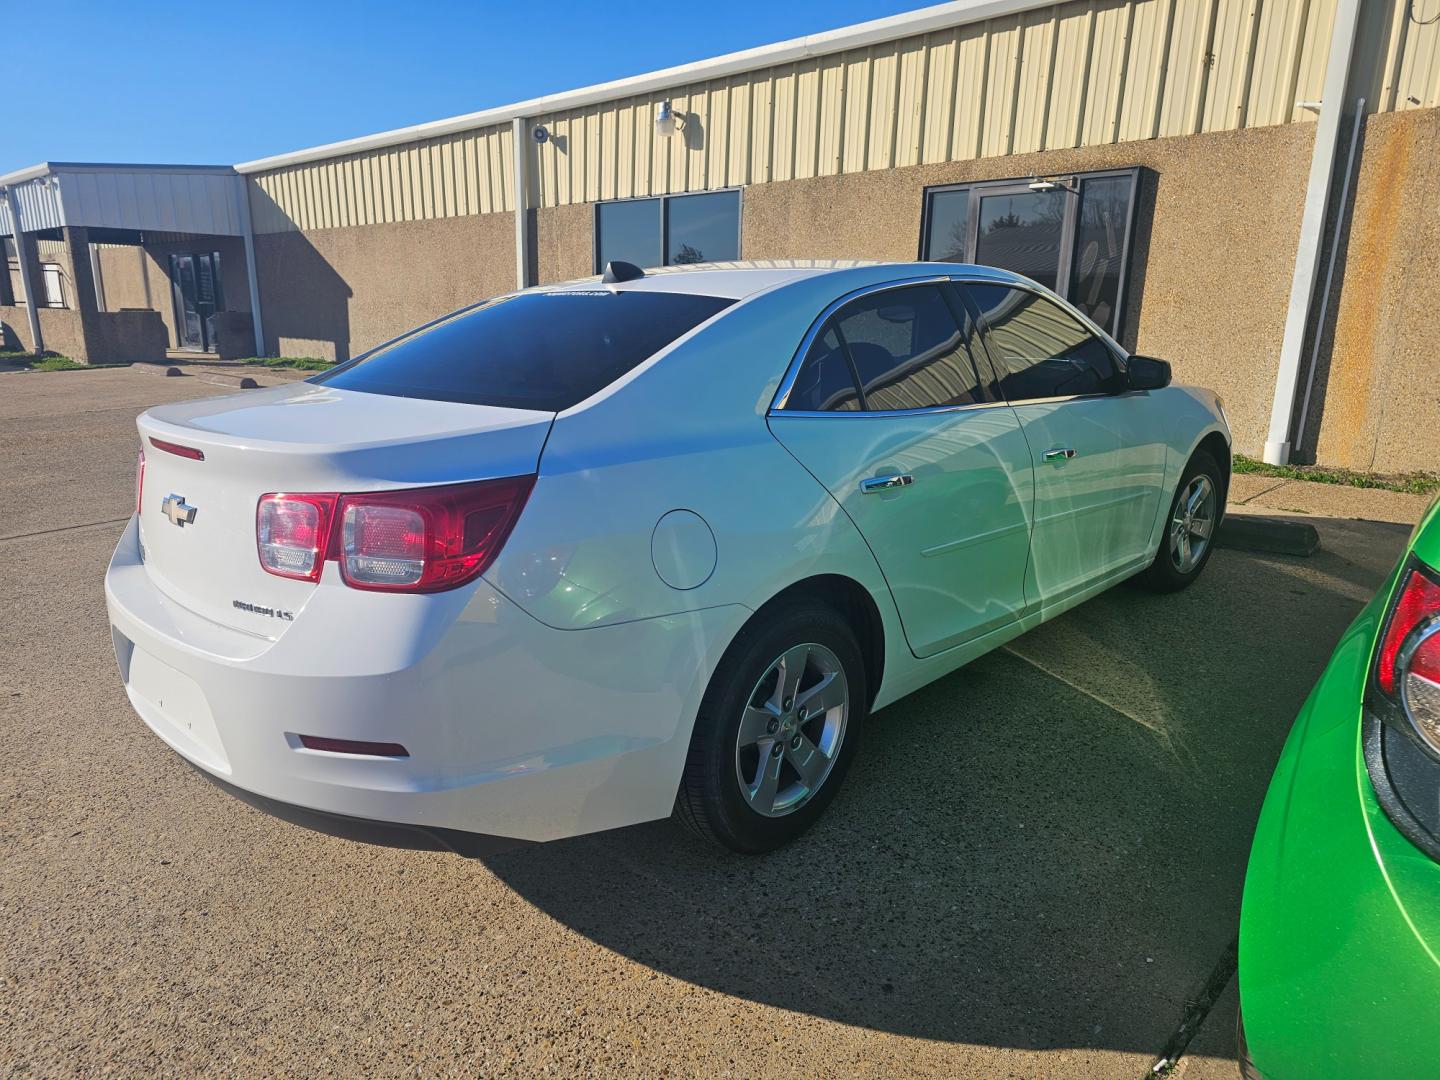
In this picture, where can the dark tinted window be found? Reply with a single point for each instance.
(702, 228)
(534, 351)
(908, 350)
(947, 236)
(824, 383)
(628, 232)
(692, 228)
(1039, 349)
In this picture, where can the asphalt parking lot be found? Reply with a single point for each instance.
(1036, 862)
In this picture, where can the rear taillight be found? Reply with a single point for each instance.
(139, 479)
(1407, 666)
(427, 539)
(416, 540)
(292, 533)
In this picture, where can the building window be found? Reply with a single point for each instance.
(668, 231)
(54, 285)
(1072, 237)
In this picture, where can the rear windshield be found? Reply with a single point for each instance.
(545, 350)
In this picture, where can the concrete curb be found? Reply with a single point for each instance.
(1284, 536)
(145, 367)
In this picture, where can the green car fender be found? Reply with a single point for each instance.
(1340, 923)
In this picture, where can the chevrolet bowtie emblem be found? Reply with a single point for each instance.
(177, 510)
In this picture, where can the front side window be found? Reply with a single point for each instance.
(1038, 348)
(672, 230)
(901, 348)
(544, 350)
(1070, 234)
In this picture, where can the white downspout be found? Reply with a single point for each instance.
(27, 272)
(522, 195)
(247, 234)
(1312, 227)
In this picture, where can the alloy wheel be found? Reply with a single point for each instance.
(792, 729)
(1192, 524)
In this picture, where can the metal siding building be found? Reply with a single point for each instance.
(1246, 146)
(1078, 74)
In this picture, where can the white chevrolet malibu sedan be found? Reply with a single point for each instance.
(592, 554)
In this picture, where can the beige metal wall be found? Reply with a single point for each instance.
(1082, 73)
(455, 176)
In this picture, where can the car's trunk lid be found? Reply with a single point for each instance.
(298, 438)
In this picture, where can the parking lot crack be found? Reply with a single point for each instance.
(65, 528)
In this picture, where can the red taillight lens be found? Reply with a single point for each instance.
(1417, 602)
(139, 480)
(427, 539)
(178, 450)
(292, 533)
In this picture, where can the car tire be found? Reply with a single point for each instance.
(1177, 564)
(745, 716)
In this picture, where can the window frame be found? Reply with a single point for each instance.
(979, 189)
(664, 201)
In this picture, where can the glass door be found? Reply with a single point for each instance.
(196, 283)
(1024, 230)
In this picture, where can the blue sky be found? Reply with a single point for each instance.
(219, 83)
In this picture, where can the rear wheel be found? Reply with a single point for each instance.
(776, 731)
(1189, 534)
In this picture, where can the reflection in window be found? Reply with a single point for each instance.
(1100, 247)
(948, 235)
(672, 230)
(1022, 232)
(1038, 347)
(703, 228)
(907, 350)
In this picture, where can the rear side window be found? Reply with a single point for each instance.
(1039, 349)
(824, 382)
(544, 351)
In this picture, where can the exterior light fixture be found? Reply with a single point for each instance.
(1050, 183)
(665, 119)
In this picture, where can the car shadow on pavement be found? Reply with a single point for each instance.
(1045, 849)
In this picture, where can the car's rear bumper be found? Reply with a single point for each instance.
(1340, 925)
(513, 729)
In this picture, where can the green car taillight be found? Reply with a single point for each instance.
(1407, 665)
(1402, 709)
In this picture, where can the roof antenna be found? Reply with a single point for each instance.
(617, 271)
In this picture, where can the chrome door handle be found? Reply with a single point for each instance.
(1063, 453)
(885, 483)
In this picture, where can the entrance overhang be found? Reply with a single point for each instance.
(114, 200)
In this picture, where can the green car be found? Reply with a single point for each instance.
(1340, 926)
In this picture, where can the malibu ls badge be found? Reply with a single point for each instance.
(177, 510)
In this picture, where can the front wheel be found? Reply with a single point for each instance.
(776, 731)
(1189, 534)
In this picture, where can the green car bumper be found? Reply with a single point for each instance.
(1340, 925)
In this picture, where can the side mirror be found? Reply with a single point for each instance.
(1147, 373)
